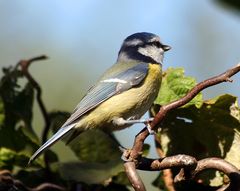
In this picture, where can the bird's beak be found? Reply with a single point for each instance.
(166, 47)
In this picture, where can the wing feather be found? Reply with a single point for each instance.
(96, 95)
(104, 90)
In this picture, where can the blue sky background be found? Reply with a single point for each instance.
(82, 39)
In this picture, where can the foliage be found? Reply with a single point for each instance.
(174, 86)
(16, 116)
(201, 128)
(18, 141)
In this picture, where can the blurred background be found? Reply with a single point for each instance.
(82, 39)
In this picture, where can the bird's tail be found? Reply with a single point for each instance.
(59, 134)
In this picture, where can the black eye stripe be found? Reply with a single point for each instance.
(143, 45)
(154, 43)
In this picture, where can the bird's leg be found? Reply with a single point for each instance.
(120, 121)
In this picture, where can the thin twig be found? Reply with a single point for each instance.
(18, 185)
(48, 186)
(8, 182)
(25, 65)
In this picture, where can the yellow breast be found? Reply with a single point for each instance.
(131, 103)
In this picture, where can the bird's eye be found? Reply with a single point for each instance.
(157, 44)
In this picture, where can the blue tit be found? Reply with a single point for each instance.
(123, 93)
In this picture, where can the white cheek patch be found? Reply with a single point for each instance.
(152, 52)
(116, 80)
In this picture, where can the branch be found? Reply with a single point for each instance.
(133, 176)
(7, 182)
(190, 168)
(177, 161)
(221, 165)
(144, 133)
(24, 66)
(217, 164)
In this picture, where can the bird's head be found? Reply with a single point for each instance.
(143, 47)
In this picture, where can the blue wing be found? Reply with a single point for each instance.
(99, 93)
(106, 89)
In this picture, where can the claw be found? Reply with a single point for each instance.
(125, 159)
(149, 128)
(126, 154)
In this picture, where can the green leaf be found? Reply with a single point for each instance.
(9, 158)
(174, 86)
(16, 105)
(212, 130)
(9, 90)
(6, 158)
(17, 96)
(24, 105)
(95, 146)
(90, 173)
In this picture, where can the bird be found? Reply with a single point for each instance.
(122, 95)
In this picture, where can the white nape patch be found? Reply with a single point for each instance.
(133, 42)
(116, 80)
(155, 39)
(152, 52)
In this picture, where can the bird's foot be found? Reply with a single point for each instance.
(126, 154)
(130, 121)
(149, 128)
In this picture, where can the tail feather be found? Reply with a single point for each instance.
(59, 134)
